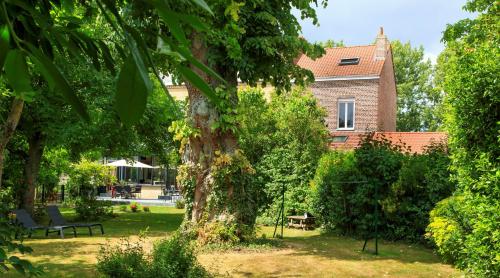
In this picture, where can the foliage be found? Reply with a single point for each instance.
(92, 209)
(283, 139)
(334, 187)
(180, 204)
(62, 23)
(10, 244)
(170, 258)
(423, 181)
(146, 209)
(126, 259)
(332, 43)
(123, 208)
(405, 187)
(472, 120)
(85, 176)
(447, 226)
(224, 232)
(175, 257)
(419, 101)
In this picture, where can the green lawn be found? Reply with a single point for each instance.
(302, 254)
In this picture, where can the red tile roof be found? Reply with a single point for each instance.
(416, 142)
(328, 65)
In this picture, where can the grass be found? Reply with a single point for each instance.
(300, 254)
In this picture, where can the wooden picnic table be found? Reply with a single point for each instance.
(302, 222)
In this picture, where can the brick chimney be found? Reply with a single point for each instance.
(382, 44)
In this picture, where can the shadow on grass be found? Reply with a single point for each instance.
(124, 224)
(345, 248)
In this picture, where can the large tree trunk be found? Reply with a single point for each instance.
(8, 129)
(201, 150)
(32, 167)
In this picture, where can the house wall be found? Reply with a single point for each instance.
(387, 100)
(365, 94)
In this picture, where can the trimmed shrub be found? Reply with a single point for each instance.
(146, 209)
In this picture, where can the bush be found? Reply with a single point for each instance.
(146, 209)
(86, 176)
(347, 185)
(220, 232)
(134, 207)
(91, 209)
(283, 140)
(170, 258)
(124, 260)
(174, 258)
(123, 208)
(334, 192)
(446, 228)
(465, 230)
(180, 204)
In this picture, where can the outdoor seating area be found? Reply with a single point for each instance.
(126, 191)
(57, 223)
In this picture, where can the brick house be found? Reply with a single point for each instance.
(357, 87)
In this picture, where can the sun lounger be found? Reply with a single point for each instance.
(23, 217)
(56, 218)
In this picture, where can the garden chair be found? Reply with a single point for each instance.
(57, 218)
(23, 217)
(127, 191)
(137, 191)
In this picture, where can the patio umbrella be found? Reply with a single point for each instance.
(124, 163)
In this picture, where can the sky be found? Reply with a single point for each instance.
(357, 22)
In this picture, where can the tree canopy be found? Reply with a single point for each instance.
(419, 101)
(465, 227)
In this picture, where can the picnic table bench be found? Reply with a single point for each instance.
(300, 221)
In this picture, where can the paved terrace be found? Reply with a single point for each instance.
(146, 202)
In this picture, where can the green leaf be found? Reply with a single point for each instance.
(131, 93)
(199, 83)
(138, 58)
(172, 21)
(188, 56)
(107, 57)
(16, 71)
(57, 81)
(4, 44)
(195, 22)
(202, 4)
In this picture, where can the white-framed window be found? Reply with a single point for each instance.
(345, 114)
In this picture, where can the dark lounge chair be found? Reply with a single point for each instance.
(23, 217)
(56, 218)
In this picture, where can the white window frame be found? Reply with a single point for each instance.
(342, 101)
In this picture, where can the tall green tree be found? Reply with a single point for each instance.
(284, 140)
(466, 227)
(251, 41)
(419, 101)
